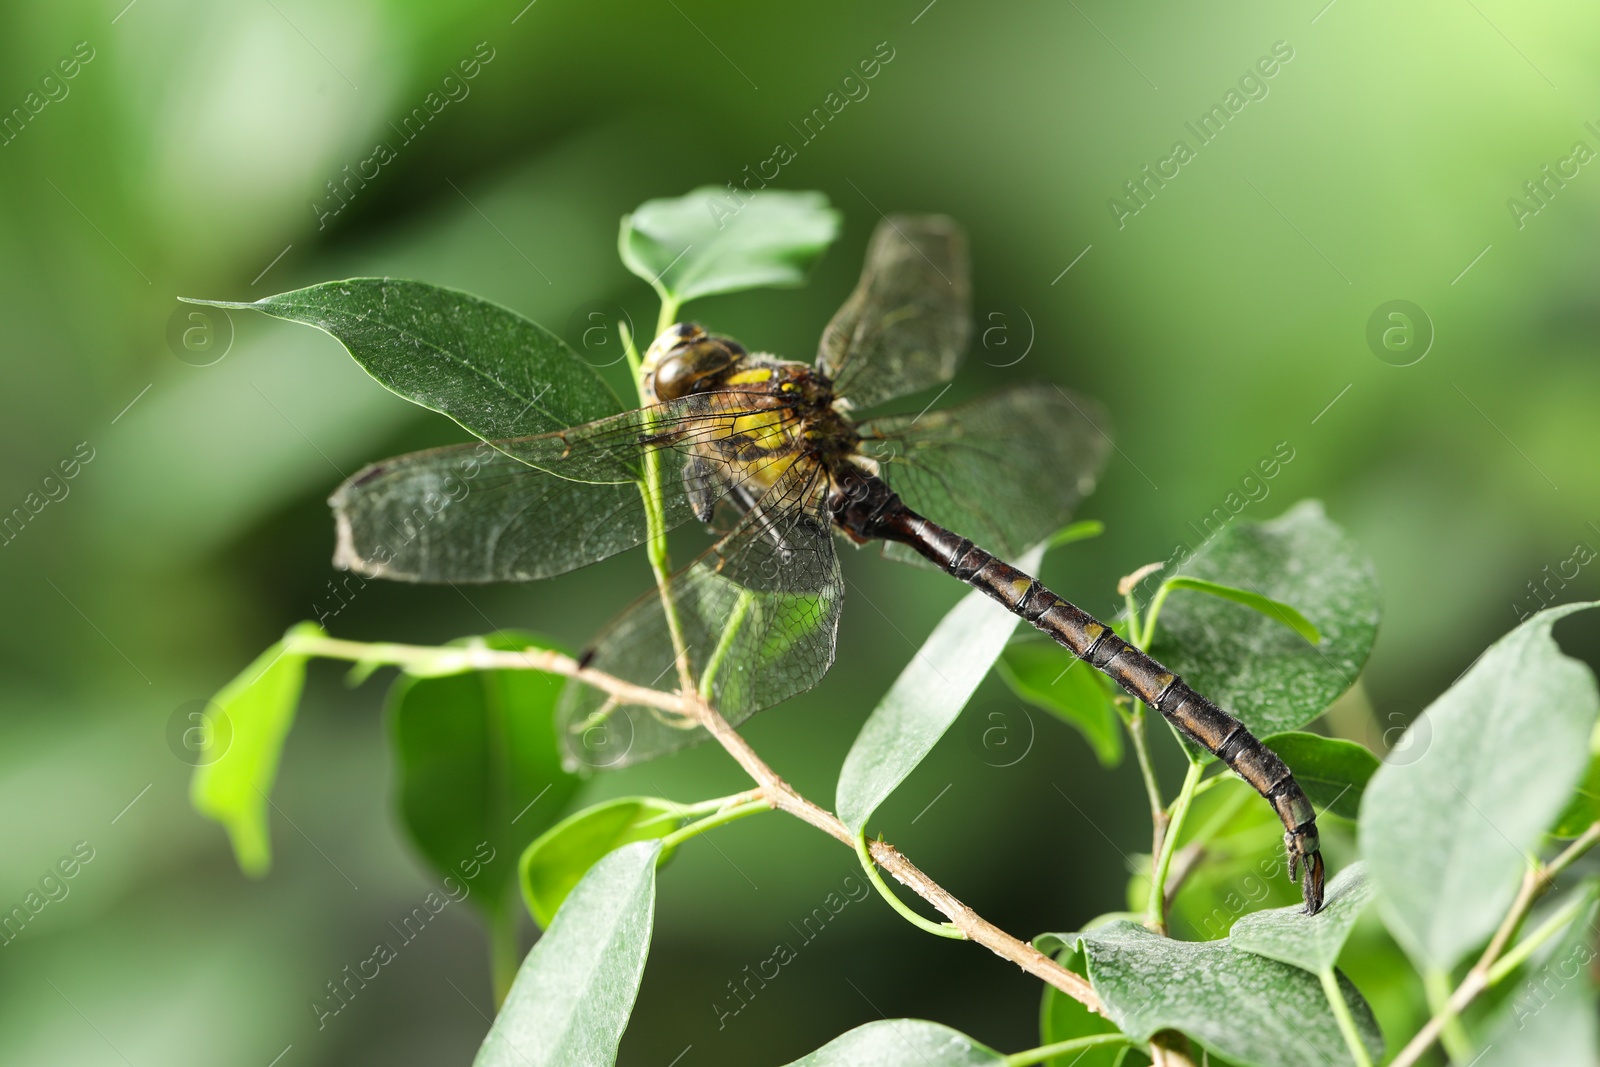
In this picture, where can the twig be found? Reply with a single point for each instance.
(774, 789)
(974, 926)
(1535, 883)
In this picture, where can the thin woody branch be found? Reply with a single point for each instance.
(424, 660)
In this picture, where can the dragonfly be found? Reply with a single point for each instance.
(771, 456)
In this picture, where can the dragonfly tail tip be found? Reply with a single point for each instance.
(1312, 884)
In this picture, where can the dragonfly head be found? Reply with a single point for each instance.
(685, 359)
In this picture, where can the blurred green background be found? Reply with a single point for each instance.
(187, 156)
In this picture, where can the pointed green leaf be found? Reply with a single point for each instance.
(1311, 942)
(1078, 531)
(574, 992)
(560, 857)
(1275, 610)
(254, 712)
(712, 241)
(1255, 666)
(1497, 757)
(493, 371)
(1333, 772)
(1049, 677)
(1254, 1011)
(924, 701)
(477, 768)
(902, 1043)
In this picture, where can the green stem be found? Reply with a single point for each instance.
(938, 929)
(703, 807)
(419, 659)
(1537, 880)
(1346, 1021)
(700, 826)
(505, 951)
(1553, 925)
(1452, 1035)
(1155, 914)
(1135, 634)
(1061, 1048)
(654, 511)
(708, 676)
(668, 315)
(1155, 611)
(1134, 723)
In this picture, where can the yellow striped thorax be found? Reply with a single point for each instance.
(761, 415)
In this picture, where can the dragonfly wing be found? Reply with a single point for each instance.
(906, 325)
(1005, 470)
(757, 614)
(530, 507)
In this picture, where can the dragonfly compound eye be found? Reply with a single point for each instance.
(694, 367)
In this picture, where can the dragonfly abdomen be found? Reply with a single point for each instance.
(866, 508)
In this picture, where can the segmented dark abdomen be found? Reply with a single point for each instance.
(1095, 643)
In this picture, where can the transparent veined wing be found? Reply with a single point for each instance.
(533, 507)
(757, 615)
(906, 325)
(1005, 470)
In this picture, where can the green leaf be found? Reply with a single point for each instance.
(477, 767)
(707, 242)
(1333, 772)
(1061, 1018)
(560, 857)
(575, 990)
(1276, 610)
(1311, 942)
(1049, 677)
(493, 371)
(1254, 1011)
(902, 1043)
(254, 712)
(1254, 666)
(1498, 755)
(1583, 809)
(924, 701)
(1549, 1016)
